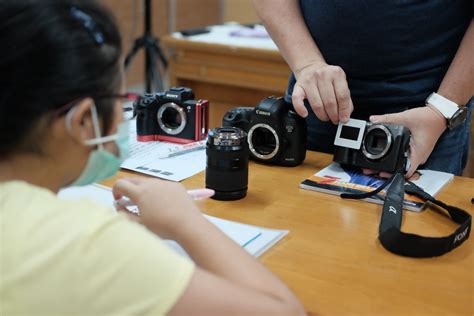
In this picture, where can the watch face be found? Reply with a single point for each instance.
(458, 118)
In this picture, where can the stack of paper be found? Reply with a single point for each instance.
(256, 240)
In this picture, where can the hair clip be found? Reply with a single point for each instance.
(89, 24)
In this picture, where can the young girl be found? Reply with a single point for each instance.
(61, 125)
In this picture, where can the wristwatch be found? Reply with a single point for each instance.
(455, 114)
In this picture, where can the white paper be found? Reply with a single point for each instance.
(433, 181)
(145, 158)
(256, 240)
(94, 192)
(220, 34)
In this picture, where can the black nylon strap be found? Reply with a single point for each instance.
(367, 194)
(412, 245)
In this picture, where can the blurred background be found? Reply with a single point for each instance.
(170, 16)
(269, 71)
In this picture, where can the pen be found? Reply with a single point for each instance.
(197, 194)
(185, 149)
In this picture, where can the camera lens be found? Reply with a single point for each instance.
(171, 118)
(263, 141)
(227, 163)
(377, 142)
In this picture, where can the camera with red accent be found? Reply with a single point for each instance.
(172, 116)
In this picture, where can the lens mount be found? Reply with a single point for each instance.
(254, 150)
(165, 126)
(388, 139)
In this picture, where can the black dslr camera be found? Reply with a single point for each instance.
(381, 147)
(275, 133)
(172, 116)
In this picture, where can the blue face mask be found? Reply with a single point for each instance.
(102, 164)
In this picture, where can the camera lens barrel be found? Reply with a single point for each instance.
(227, 163)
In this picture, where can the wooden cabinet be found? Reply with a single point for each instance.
(227, 76)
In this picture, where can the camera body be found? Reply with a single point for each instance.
(276, 134)
(173, 116)
(383, 147)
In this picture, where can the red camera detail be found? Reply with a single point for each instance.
(200, 132)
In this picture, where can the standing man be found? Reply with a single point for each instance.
(381, 60)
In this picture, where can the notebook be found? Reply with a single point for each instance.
(254, 239)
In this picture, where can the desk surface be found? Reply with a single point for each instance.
(332, 259)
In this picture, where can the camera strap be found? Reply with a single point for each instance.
(407, 244)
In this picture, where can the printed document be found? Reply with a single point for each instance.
(146, 157)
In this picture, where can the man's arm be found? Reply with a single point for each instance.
(458, 83)
(285, 24)
(323, 85)
(427, 123)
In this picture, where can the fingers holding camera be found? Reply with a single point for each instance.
(425, 126)
(326, 89)
(372, 172)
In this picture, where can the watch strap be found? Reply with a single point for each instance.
(447, 107)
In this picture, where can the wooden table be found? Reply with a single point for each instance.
(228, 76)
(332, 258)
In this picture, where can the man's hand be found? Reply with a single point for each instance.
(426, 125)
(325, 87)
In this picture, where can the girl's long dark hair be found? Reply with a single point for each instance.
(53, 52)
